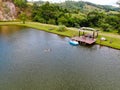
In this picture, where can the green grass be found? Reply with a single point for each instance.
(70, 32)
(110, 42)
(44, 27)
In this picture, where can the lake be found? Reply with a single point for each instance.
(31, 59)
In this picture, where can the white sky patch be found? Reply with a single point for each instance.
(102, 2)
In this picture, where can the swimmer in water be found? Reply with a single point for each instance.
(47, 50)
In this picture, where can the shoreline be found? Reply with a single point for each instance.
(69, 33)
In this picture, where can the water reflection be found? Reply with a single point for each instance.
(35, 60)
(5, 30)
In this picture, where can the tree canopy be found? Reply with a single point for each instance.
(20, 3)
(52, 13)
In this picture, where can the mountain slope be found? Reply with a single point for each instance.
(84, 6)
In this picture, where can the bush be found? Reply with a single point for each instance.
(119, 30)
(63, 20)
(77, 25)
(20, 3)
(51, 21)
(106, 27)
(39, 19)
(23, 17)
(62, 28)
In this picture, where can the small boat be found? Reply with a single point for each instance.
(74, 43)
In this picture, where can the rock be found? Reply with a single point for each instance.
(7, 11)
(1, 16)
(102, 38)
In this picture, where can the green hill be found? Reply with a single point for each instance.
(87, 6)
(83, 6)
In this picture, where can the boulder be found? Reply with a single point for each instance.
(7, 10)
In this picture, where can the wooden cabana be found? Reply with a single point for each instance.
(87, 38)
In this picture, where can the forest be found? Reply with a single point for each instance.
(72, 14)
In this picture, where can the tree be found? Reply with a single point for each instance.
(23, 17)
(20, 3)
(119, 30)
(106, 27)
(112, 20)
(63, 21)
(95, 18)
(49, 12)
(119, 17)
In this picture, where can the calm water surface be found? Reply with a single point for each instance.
(35, 60)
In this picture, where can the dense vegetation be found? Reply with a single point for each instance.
(72, 14)
(20, 3)
(54, 14)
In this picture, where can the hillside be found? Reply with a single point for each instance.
(104, 7)
(87, 6)
(83, 6)
(9, 11)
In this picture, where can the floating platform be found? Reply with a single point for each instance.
(83, 39)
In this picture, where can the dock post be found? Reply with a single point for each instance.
(97, 34)
(83, 32)
(93, 34)
(79, 33)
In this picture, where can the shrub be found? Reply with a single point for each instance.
(23, 17)
(51, 21)
(62, 28)
(119, 30)
(106, 27)
(77, 25)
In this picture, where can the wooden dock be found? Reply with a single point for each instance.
(83, 39)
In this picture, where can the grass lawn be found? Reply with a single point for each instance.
(113, 40)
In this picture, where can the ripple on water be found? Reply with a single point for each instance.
(32, 60)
